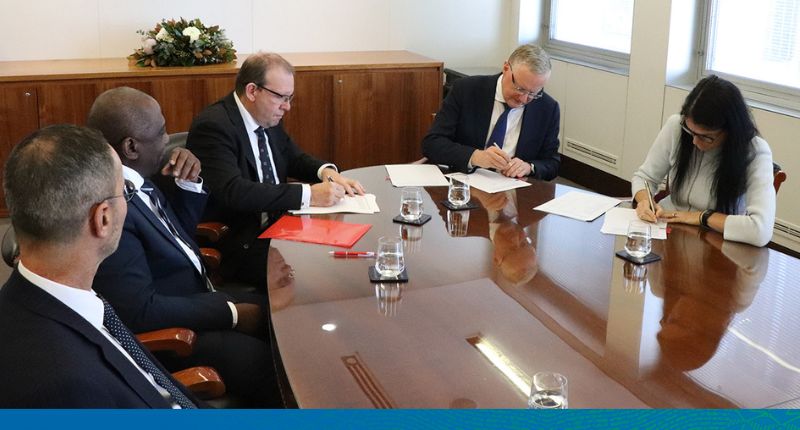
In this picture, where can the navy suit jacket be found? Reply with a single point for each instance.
(150, 281)
(462, 124)
(53, 358)
(219, 139)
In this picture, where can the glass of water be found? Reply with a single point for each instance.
(390, 261)
(411, 203)
(548, 391)
(638, 244)
(458, 191)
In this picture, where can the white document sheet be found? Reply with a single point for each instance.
(493, 182)
(416, 175)
(366, 204)
(580, 206)
(617, 220)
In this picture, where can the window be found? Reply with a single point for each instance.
(593, 31)
(756, 45)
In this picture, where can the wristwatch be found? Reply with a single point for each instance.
(704, 218)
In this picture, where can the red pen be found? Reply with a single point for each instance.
(357, 254)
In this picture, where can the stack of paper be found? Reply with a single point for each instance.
(366, 204)
(493, 182)
(617, 221)
(578, 205)
(415, 175)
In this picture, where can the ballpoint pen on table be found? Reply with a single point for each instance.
(355, 254)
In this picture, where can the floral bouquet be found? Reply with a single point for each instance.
(183, 43)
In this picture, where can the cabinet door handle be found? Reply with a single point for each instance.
(27, 94)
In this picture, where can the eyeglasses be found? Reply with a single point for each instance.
(533, 95)
(284, 98)
(703, 137)
(128, 191)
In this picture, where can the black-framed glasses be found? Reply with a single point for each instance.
(128, 191)
(533, 95)
(703, 137)
(284, 98)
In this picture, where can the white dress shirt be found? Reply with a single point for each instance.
(513, 122)
(90, 307)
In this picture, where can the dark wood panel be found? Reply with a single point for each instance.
(19, 116)
(381, 116)
(310, 120)
(66, 102)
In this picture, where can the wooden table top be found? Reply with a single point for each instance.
(714, 324)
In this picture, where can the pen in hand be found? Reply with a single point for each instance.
(650, 197)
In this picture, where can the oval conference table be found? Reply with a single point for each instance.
(501, 292)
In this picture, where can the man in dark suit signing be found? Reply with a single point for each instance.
(63, 346)
(504, 122)
(156, 278)
(247, 158)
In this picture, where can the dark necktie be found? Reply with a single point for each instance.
(114, 326)
(499, 133)
(149, 189)
(263, 155)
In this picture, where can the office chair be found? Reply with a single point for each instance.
(779, 176)
(203, 381)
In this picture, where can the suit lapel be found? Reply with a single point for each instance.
(242, 134)
(140, 207)
(484, 94)
(38, 301)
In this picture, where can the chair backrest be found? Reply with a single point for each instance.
(778, 177)
(10, 248)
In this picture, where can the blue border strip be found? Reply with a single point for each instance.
(400, 419)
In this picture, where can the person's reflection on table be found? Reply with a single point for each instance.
(514, 250)
(280, 279)
(698, 308)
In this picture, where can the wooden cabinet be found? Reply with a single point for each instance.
(351, 108)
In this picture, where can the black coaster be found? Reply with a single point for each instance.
(467, 206)
(419, 221)
(649, 258)
(375, 277)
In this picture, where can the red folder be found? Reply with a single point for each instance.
(315, 230)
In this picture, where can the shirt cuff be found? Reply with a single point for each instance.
(195, 187)
(533, 169)
(325, 166)
(305, 202)
(234, 314)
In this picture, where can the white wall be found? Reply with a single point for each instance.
(475, 35)
(616, 114)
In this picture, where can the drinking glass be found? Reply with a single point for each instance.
(458, 191)
(548, 391)
(638, 244)
(411, 203)
(457, 223)
(388, 295)
(635, 276)
(390, 261)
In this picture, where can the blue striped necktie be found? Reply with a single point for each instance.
(114, 326)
